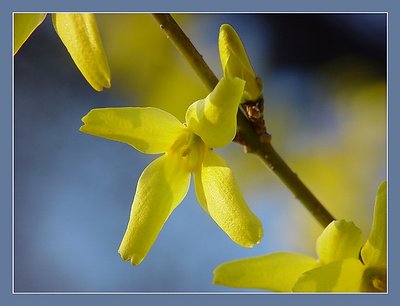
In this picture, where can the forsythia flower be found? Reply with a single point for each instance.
(79, 34)
(24, 25)
(341, 266)
(235, 62)
(210, 123)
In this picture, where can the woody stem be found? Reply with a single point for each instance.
(263, 149)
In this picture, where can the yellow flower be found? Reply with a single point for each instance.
(341, 266)
(79, 34)
(235, 62)
(210, 123)
(24, 25)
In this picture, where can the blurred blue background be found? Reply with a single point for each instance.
(324, 79)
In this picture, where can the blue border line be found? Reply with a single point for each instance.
(7, 298)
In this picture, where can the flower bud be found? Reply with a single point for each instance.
(235, 62)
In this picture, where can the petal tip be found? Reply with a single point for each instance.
(218, 274)
(250, 242)
(101, 87)
(108, 84)
(133, 258)
(253, 243)
(216, 279)
(83, 127)
(227, 32)
(225, 27)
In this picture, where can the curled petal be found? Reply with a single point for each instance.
(235, 62)
(275, 271)
(225, 203)
(80, 35)
(340, 276)
(214, 118)
(161, 187)
(374, 251)
(339, 240)
(149, 130)
(24, 25)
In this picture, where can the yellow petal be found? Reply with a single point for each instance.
(161, 187)
(374, 251)
(276, 271)
(235, 62)
(24, 25)
(80, 35)
(339, 240)
(198, 183)
(149, 130)
(214, 118)
(225, 203)
(339, 276)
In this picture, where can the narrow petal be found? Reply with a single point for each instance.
(80, 35)
(339, 240)
(149, 130)
(198, 183)
(374, 251)
(24, 25)
(276, 271)
(235, 62)
(161, 187)
(214, 118)
(339, 276)
(225, 203)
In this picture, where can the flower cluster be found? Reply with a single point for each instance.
(187, 148)
(344, 263)
(340, 267)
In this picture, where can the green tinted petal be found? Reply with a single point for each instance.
(80, 35)
(375, 279)
(24, 25)
(214, 118)
(161, 187)
(276, 271)
(235, 62)
(149, 130)
(339, 276)
(339, 240)
(374, 251)
(225, 203)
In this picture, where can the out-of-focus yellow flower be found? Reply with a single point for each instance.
(341, 266)
(24, 25)
(235, 62)
(210, 123)
(79, 34)
(81, 37)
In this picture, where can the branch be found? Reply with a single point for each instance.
(261, 146)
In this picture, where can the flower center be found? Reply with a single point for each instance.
(190, 148)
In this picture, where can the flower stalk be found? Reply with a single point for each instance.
(254, 142)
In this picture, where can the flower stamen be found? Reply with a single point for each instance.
(190, 148)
